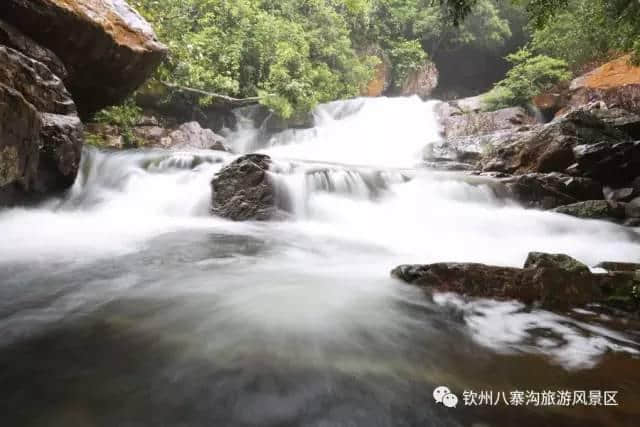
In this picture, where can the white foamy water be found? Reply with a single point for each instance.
(362, 205)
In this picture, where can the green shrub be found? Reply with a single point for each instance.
(530, 76)
(124, 117)
(406, 56)
(94, 139)
(635, 55)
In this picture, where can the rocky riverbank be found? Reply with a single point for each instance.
(585, 162)
(50, 80)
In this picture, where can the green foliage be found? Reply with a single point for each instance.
(94, 139)
(529, 76)
(586, 31)
(124, 117)
(293, 53)
(430, 24)
(297, 53)
(635, 56)
(404, 27)
(406, 56)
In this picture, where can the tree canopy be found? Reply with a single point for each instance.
(291, 55)
(294, 54)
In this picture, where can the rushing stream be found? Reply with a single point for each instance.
(126, 304)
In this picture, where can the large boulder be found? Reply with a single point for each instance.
(548, 191)
(555, 281)
(35, 81)
(52, 137)
(107, 48)
(615, 83)
(245, 190)
(551, 147)
(613, 163)
(19, 139)
(11, 37)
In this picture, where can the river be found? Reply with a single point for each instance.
(125, 303)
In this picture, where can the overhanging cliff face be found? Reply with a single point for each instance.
(109, 50)
(61, 60)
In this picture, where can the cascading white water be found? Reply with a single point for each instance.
(314, 290)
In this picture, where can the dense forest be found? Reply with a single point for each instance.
(294, 54)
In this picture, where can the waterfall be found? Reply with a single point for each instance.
(128, 292)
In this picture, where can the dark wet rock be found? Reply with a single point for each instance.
(19, 142)
(594, 209)
(49, 162)
(552, 147)
(620, 289)
(636, 185)
(244, 190)
(62, 137)
(11, 37)
(612, 163)
(548, 191)
(556, 281)
(35, 81)
(469, 279)
(106, 47)
(620, 119)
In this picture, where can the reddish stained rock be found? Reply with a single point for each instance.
(107, 48)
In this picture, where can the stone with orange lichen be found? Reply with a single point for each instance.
(107, 47)
(616, 73)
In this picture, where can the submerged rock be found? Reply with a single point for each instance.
(594, 209)
(548, 191)
(552, 280)
(244, 190)
(107, 48)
